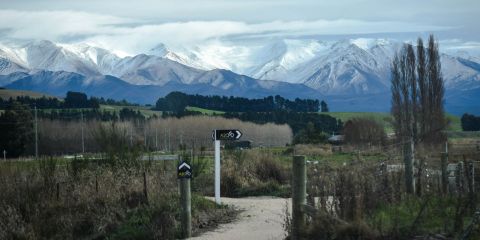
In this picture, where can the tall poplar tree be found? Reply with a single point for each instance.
(417, 101)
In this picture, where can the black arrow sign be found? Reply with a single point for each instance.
(184, 170)
(226, 134)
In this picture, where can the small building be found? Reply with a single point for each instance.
(336, 139)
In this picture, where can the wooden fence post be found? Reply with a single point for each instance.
(145, 190)
(460, 178)
(299, 195)
(185, 201)
(58, 191)
(471, 168)
(444, 164)
(96, 184)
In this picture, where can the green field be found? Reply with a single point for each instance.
(204, 111)
(386, 119)
(383, 118)
(146, 111)
(11, 93)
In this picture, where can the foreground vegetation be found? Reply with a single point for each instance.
(116, 196)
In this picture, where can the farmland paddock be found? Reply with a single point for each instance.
(367, 198)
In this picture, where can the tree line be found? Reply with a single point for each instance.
(470, 122)
(178, 101)
(72, 100)
(418, 93)
(91, 114)
(306, 127)
(17, 123)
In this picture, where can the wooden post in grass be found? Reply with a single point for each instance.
(58, 191)
(444, 164)
(185, 199)
(145, 192)
(184, 173)
(299, 195)
(96, 184)
(471, 173)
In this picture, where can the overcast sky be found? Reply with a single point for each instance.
(135, 25)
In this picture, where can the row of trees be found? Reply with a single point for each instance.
(16, 128)
(177, 101)
(307, 127)
(91, 114)
(57, 137)
(470, 122)
(364, 131)
(417, 100)
(72, 100)
(418, 93)
(17, 124)
(113, 102)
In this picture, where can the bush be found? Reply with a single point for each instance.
(364, 131)
(325, 227)
(253, 173)
(470, 122)
(119, 153)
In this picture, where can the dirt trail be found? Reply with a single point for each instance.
(261, 218)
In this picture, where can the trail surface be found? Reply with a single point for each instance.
(261, 218)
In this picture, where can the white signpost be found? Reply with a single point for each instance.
(217, 135)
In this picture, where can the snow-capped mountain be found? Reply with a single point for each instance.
(215, 82)
(356, 66)
(347, 71)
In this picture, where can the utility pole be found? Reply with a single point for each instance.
(36, 134)
(4, 155)
(165, 139)
(83, 140)
(169, 140)
(145, 135)
(131, 136)
(156, 139)
(181, 138)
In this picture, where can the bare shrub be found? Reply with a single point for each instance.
(197, 130)
(113, 142)
(252, 172)
(65, 137)
(364, 131)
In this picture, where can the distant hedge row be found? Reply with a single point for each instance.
(470, 122)
(178, 101)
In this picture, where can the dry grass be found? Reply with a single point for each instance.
(313, 149)
(75, 202)
(366, 200)
(253, 172)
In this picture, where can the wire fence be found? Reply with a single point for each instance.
(372, 190)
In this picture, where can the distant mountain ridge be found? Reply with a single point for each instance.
(340, 71)
(229, 84)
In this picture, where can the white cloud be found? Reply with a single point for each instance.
(55, 24)
(133, 36)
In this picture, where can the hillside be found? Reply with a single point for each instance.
(12, 93)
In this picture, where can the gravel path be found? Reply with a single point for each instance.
(261, 218)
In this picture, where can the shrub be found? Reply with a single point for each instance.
(364, 131)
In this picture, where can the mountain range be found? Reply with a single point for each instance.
(351, 75)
